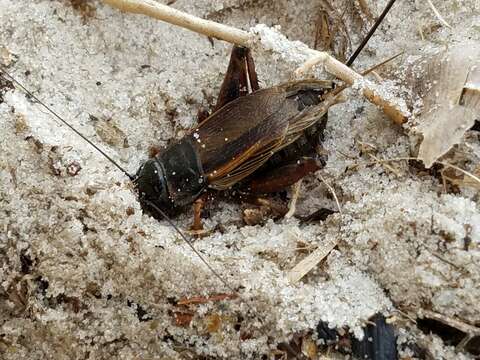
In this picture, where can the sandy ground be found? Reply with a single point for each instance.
(86, 275)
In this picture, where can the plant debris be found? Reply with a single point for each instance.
(452, 99)
(86, 274)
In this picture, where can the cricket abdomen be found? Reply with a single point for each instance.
(307, 145)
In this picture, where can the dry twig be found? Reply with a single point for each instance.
(438, 15)
(332, 191)
(293, 203)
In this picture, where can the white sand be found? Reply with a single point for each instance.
(143, 81)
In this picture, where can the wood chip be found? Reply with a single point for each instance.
(311, 261)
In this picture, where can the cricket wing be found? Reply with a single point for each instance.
(237, 131)
(263, 153)
(240, 137)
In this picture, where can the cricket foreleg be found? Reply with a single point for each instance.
(196, 229)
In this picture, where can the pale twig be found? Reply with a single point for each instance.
(293, 202)
(310, 63)
(307, 65)
(332, 191)
(176, 17)
(438, 15)
(228, 33)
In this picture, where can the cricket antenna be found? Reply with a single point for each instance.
(189, 243)
(200, 256)
(7, 76)
(370, 33)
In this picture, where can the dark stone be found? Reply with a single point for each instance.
(379, 342)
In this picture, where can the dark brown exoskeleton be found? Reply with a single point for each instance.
(262, 141)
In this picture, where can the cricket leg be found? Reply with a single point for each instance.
(252, 74)
(281, 178)
(293, 201)
(197, 214)
(202, 115)
(263, 209)
(241, 70)
(275, 181)
(196, 229)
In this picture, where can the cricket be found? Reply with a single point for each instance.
(250, 146)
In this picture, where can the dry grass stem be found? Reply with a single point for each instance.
(464, 172)
(332, 191)
(438, 15)
(295, 193)
(205, 299)
(213, 29)
(311, 261)
(379, 65)
(386, 166)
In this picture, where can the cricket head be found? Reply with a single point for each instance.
(151, 185)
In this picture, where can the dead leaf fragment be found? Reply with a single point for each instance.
(214, 323)
(454, 178)
(309, 348)
(6, 57)
(183, 319)
(109, 132)
(452, 102)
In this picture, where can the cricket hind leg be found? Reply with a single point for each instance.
(284, 176)
(252, 73)
(289, 175)
(240, 74)
(274, 181)
(287, 166)
(240, 79)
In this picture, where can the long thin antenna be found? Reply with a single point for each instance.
(370, 33)
(189, 243)
(5, 74)
(200, 256)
